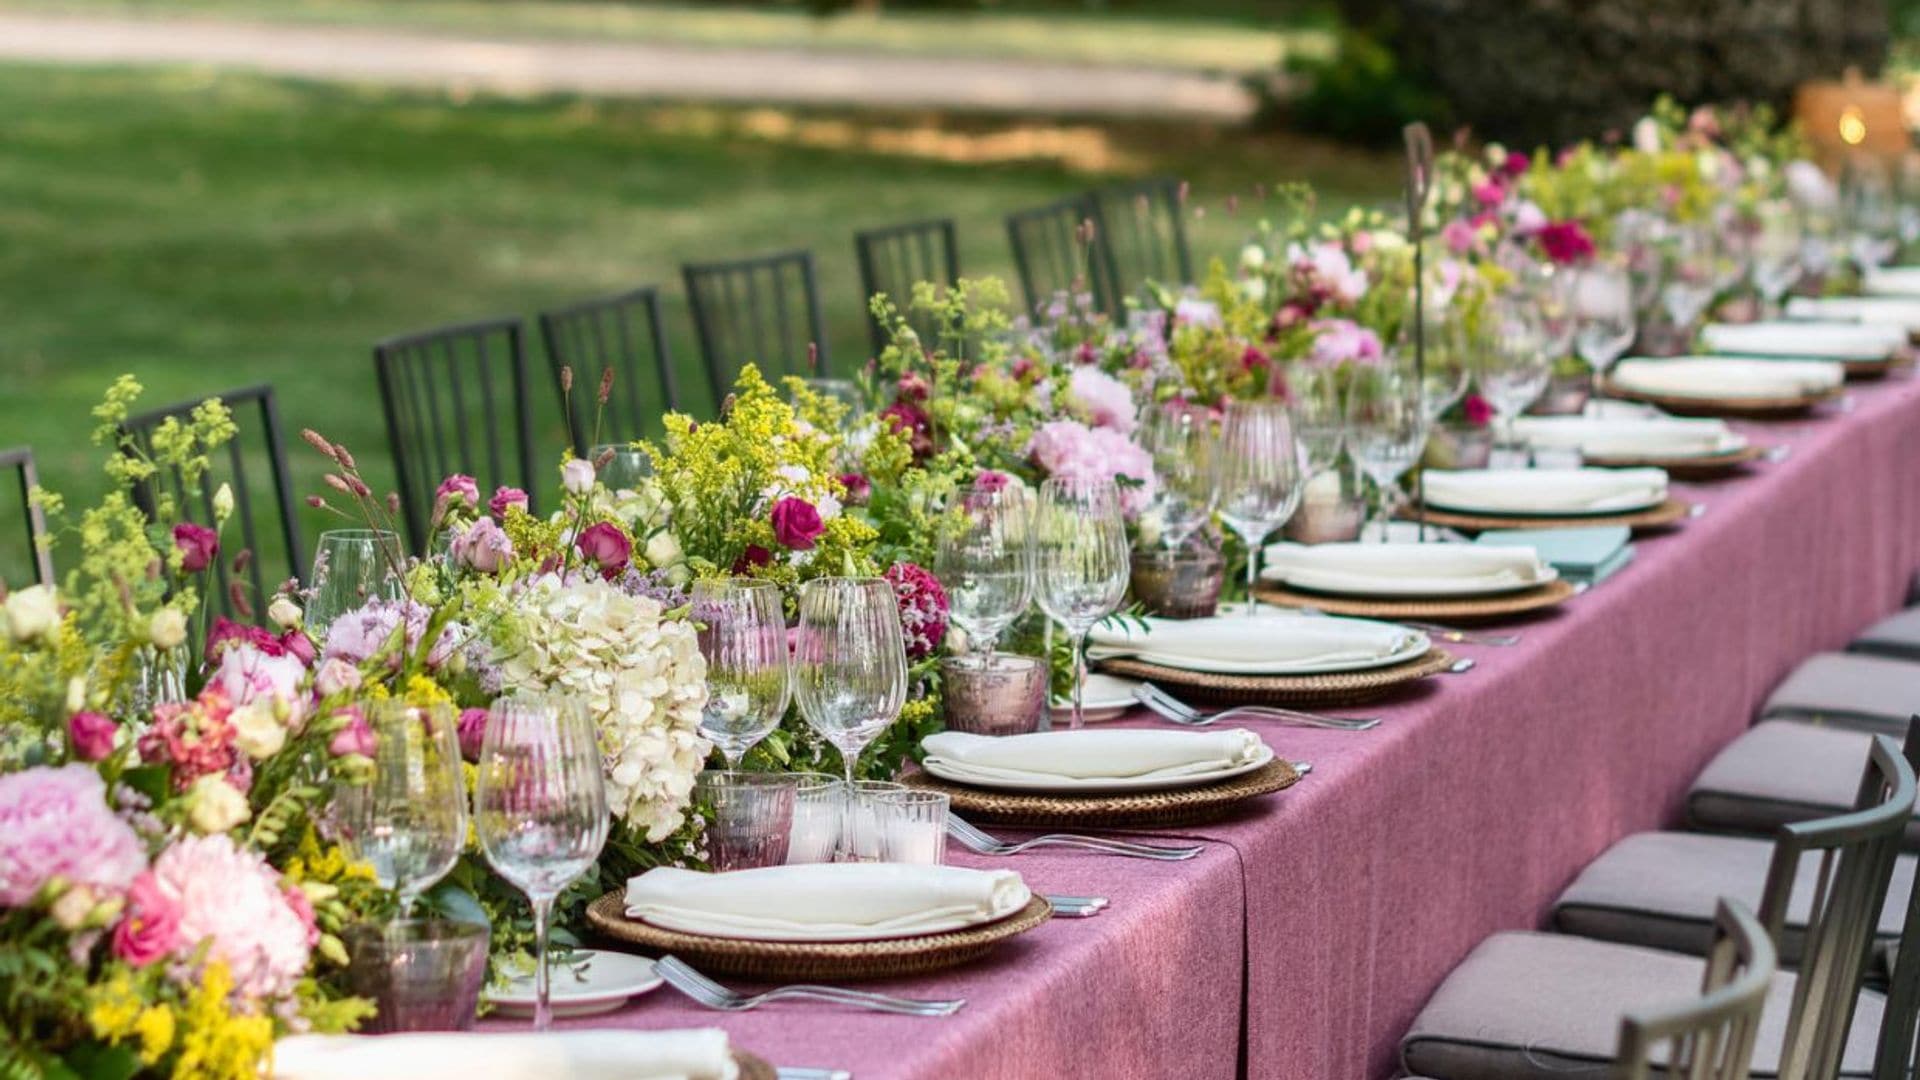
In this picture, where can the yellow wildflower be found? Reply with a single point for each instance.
(423, 692)
(155, 1028)
(114, 1008)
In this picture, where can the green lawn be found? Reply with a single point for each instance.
(211, 231)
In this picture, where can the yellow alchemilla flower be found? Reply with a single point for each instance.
(214, 1042)
(155, 1028)
(113, 1008)
(422, 692)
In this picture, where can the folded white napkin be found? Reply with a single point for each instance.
(1824, 340)
(1545, 491)
(1674, 436)
(693, 1054)
(1903, 312)
(1727, 377)
(825, 901)
(1892, 281)
(1413, 568)
(1121, 754)
(1258, 644)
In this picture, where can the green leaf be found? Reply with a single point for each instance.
(96, 1061)
(149, 780)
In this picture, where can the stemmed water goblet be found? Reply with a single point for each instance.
(984, 559)
(540, 809)
(743, 636)
(409, 820)
(1080, 562)
(1319, 417)
(1603, 312)
(1446, 370)
(351, 567)
(1689, 284)
(1386, 429)
(1514, 365)
(1259, 475)
(1182, 441)
(849, 662)
(1775, 249)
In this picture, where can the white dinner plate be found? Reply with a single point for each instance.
(599, 982)
(1097, 784)
(818, 935)
(1352, 584)
(1469, 507)
(1417, 646)
(1106, 697)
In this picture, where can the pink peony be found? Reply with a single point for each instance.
(1104, 400)
(923, 608)
(91, 735)
(1070, 449)
(483, 548)
(472, 729)
(606, 547)
(355, 738)
(458, 488)
(235, 904)
(1458, 236)
(247, 674)
(197, 544)
(1330, 269)
(1339, 341)
(149, 928)
(506, 498)
(1565, 242)
(369, 630)
(796, 524)
(55, 823)
(859, 488)
(1528, 218)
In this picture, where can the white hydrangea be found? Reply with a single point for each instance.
(640, 677)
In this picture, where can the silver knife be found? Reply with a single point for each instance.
(803, 1073)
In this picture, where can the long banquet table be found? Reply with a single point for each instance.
(1311, 928)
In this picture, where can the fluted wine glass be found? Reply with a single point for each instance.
(409, 820)
(1447, 370)
(1603, 314)
(1182, 440)
(1258, 474)
(1387, 429)
(1319, 417)
(1080, 562)
(540, 808)
(351, 567)
(1775, 252)
(1691, 278)
(849, 662)
(1515, 366)
(984, 559)
(743, 636)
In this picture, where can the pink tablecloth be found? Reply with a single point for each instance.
(1339, 905)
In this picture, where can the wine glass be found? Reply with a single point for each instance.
(540, 808)
(621, 466)
(1081, 562)
(1181, 439)
(743, 635)
(1550, 291)
(1868, 210)
(1445, 372)
(351, 567)
(409, 820)
(1258, 473)
(1689, 285)
(1603, 311)
(984, 559)
(1775, 247)
(1386, 428)
(850, 662)
(1319, 417)
(1514, 366)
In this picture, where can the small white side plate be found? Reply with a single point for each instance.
(604, 982)
(1106, 697)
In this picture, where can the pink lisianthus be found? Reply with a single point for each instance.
(504, 499)
(923, 608)
(991, 480)
(247, 674)
(1252, 359)
(913, 387)
(55, 823)
(796, 524)
(606, 547)
(483, 548)
(458, 488)
(1565, 242)
(233, 903)
(1104, 400)
(149, 927)
(1068, 448)
(298, 645)
(472, 730)
(91, 735)
(1341, 341)
(197, 544)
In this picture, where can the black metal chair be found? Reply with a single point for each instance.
(893, 258)
(1051, 257)
(20, 460)
(626, 333)
(763, 310)
(1710, 1037)
(455, 400)
(1145, 234)
(269, 534)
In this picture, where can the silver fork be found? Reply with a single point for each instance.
(981, 843)
(1172, 708)
(1077, 907)
(714, 996)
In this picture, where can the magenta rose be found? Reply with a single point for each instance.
(150, 926)
(504, 499)
(605, 546)
(796, 524)
(1565, 242)
(472, 729)
(460, 487)
(755, 555)
(859, 490)
(91, 735)
(198, 546)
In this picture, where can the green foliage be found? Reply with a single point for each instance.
(1361, 92)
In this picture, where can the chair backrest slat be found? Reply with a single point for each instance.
(1710, 1037)
(27, 477)
(894, 257)
(764, 310)
(1897, 1054)
(1050, 258)
(455, 400)
(1147, 236)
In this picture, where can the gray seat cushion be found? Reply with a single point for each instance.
(1865, 693)
(1779, 772)
(1658, 889)
(1896, 636)
(1526, 1006)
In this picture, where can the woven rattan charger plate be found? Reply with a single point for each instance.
(1699, 467)
(1126, 810)
(754, 1068)
(1451, 608)
(772, 961)
(1330, 688)
(1750, 407)
(1668, 513)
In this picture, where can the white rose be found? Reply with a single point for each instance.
(1646, 135)
(256, 731)
(284, 612)
(33, 612)
(223, 503)
(1253, 257)
(168, 628)
(214, 806)
(663, 549)
(1254, 289)
(577, 476)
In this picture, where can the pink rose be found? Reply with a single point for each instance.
(472, 729)
(457, 488)
(858, 488)
(149, 928)
(355, 738)
(605, 546)
(796, 524)
(197, 544)
(1476, 410)
(484, 547)
(912, 421)
(1515, 164)
(504, 499)
(1489, 193)
(91, 735)
(298, 645)
(755, 555)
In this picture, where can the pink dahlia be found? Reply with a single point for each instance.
(923, 608)
(56, 823)
(233, 902)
